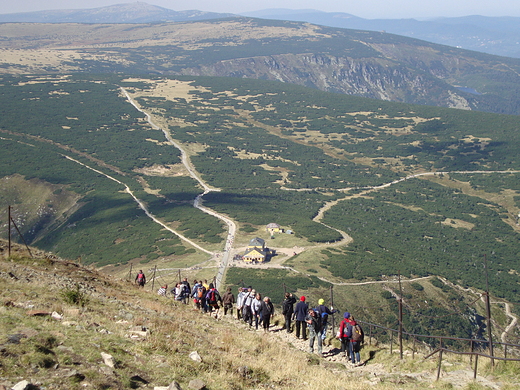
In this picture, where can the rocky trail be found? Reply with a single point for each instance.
(370, 371)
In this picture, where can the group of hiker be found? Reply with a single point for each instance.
(315, 320)
(310, 323)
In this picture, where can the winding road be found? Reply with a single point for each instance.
(197, 203)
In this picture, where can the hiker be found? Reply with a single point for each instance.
(256, 309)
(185, 281)
(213, 299)
(140, 279)
(185, 291)
(228, 299)
(177, 292)
(163, 290)
(288, 310)
(248, 300)
(267, 313)
(313, 320)
(351, 336)
(204, 302)
(324, 312)
(300, 313)
(198, 293)
(240, 301)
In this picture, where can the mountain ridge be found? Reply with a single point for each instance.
(369, 64)
(493, 35)
(138, 12)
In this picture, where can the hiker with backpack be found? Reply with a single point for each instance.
(324, 312)
(351, 336)
(228, 300)
(267, 313)
(198, 292)
(288, 310)
(300, 314)
(213, 299)
(313, 320)
(140, 279)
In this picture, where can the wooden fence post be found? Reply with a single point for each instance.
(153, 278)
(439, 367)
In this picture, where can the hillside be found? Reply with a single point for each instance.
(108, 170)
(369, 64)
(48, 342)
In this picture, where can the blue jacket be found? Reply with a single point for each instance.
(324, 309)
(300, 312)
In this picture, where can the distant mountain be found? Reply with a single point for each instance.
(493, 35)
(363, 63)
(137, 12)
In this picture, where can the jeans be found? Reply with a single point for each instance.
(312, 336)
(323, 332)
(353, 350)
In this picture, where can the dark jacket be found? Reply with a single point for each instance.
(288, 308)
(267, 309)
(324, 309)
(228, 298)
(300, 312)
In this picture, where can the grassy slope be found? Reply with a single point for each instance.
(58, 354)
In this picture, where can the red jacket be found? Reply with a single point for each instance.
(345, 328)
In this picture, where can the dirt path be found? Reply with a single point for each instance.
(507, 308)
(142, 205)
(197, 203)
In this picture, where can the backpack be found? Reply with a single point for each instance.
(140, 277)
(320, 311)
(212, 297)
(200, 292)
(319, 320)
(345, 329)
(357, 333)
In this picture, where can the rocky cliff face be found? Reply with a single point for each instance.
(373, 78)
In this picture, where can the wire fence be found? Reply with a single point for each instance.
(474, 348)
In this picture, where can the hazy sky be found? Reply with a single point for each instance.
(369, 9)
